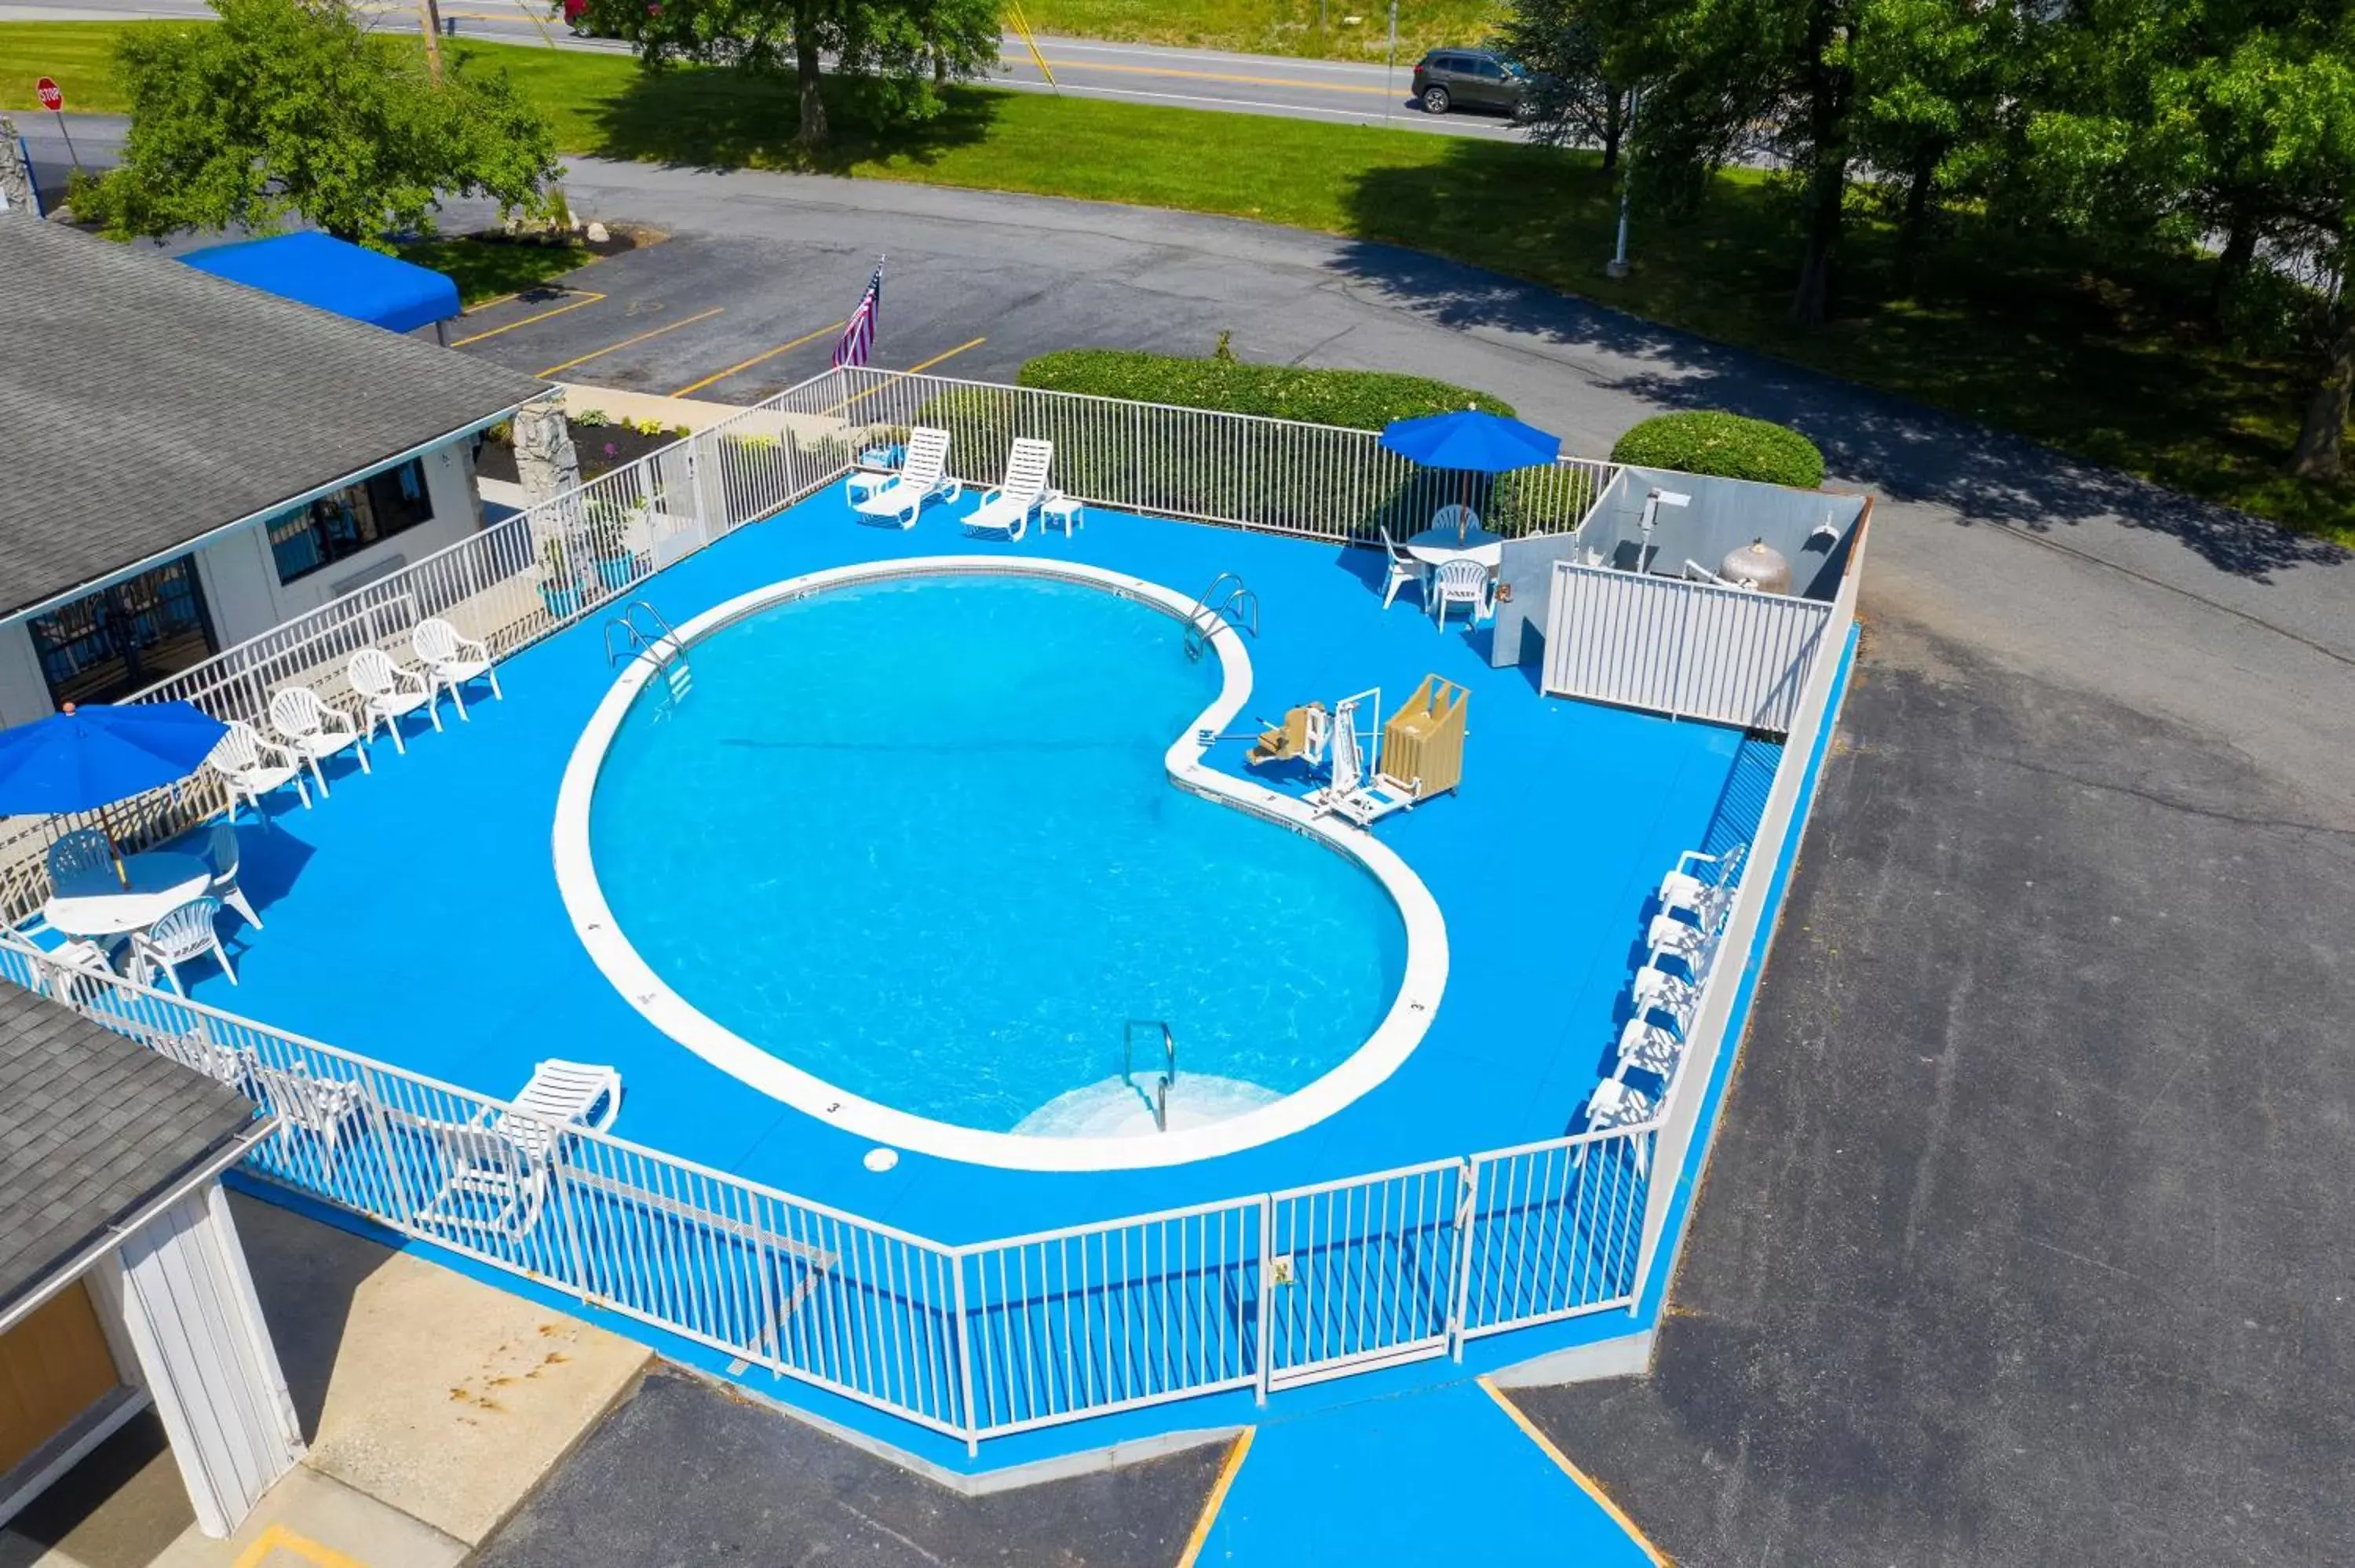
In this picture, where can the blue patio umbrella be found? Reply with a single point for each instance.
(1471, 441)
(83, 759)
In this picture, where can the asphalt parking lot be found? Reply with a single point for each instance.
(735, 319)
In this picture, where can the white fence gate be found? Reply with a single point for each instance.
(1691, 649)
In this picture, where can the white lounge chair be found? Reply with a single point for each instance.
(1709, 898)
(924, 477)
(225, 855)
(1462, 582)
(190, 931)
(452, 660)
(390, 693)
(252, 767)
(1403, 570)
(321, 1108)
(314, 731)
(497, 1166)
(1352, 793)
(82, 860)
(1007, 510)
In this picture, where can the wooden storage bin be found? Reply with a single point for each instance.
(1423, 741)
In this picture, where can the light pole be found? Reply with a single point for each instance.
(1617, 266)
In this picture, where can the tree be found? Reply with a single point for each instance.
(2175, 122)
(289, 106)
(902, 50)
(1572, 100)
(1935, 78)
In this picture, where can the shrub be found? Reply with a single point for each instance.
(1360, 399)
(1726, 445)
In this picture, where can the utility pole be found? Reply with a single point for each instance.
(1389, 68)
(1617, 266)
(429, 17)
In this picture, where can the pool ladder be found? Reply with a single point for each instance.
(1227, 598)
(1161, 1080)
(659, 647)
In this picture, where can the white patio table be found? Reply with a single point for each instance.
(1435, 546)
(159, 881)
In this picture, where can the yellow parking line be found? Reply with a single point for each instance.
(278, 1538)
(756, 359)
(1585, 1483)
(1217, 1500)
(617, 347)
(1222, 76)
(911, 370)
(592, 296)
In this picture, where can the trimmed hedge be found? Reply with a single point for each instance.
(1726, 445)
(1359, 399)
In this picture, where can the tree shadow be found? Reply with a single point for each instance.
(1730, 262)
(720, 118)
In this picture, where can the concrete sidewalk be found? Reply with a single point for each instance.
(434, 1403)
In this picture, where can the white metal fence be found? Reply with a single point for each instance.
(985, 1339)
(1693, 649)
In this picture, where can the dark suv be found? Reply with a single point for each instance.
(1468, 78)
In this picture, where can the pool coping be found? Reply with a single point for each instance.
(1422, 981)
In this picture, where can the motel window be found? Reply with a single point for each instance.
(317, 535)
(121, 638)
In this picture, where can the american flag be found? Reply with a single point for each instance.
(859, 333)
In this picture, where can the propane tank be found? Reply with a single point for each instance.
(1757, 565)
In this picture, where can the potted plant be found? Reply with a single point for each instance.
(560, 589)
(609, 544)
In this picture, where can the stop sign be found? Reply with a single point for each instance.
(52, 99)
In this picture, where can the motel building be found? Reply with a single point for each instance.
(187, 461)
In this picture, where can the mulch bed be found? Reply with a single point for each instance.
(602, 449)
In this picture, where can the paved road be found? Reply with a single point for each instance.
(1141, 73)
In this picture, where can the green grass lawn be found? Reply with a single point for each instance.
(2116, 368)
(1274, 27)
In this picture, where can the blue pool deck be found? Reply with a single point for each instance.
(414, 916)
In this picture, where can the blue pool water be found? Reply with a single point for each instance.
(915, 838)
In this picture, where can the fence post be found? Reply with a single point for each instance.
(965, 1357)
(1266, 1293)
(1467, 1197)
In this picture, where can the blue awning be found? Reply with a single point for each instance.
(334, 275)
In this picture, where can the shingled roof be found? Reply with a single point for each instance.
(147, 404)
(92, 1128)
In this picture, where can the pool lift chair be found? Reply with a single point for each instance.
(1303, 736)
(1356, 790)
(497, 1165)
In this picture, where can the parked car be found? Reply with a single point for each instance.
(1468, 78)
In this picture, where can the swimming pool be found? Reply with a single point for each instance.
(911, 854)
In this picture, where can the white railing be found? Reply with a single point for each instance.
(985, 1339)
(976, 1341)
(1688, 648)
(1708, 1040)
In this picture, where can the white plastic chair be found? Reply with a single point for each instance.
(1658, 994)
(1403, 570)
(79, 860)
(1709, 899)
(1005, 511)
(190, 931)
(452, 660)
(1458, 516)
(323, 1108)
(315, 731)
(252, 767)
(1613, 1103)
(1694, 945)
(1645, 1044)
(924, 477)
(225, 855)
(1461, 582)
(390, 693)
